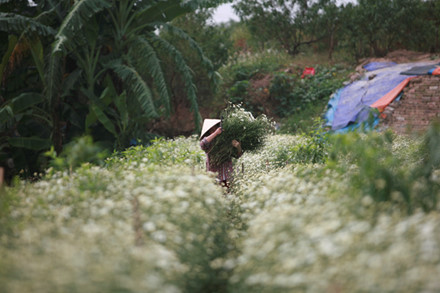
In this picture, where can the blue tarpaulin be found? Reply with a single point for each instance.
(351, 104)
(378, 65)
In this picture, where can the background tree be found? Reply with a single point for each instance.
(216, 44)
(327, 24)
(374, 28)
(286, 22)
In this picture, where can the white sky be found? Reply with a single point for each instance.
(224, 12)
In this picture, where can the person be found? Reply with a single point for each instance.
(210, 130)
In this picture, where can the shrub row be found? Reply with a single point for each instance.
(134, 227)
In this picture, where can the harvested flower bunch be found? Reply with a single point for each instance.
(240, 125)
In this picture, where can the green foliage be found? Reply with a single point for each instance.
(104, 71)
(241, 70)
(8, 199)
(312, 148)
(300, 121)
(76, 153)
(152, 213)
(378, 27)
(120, 226)
(427, 174)
(238, 94)
(245, 66)
(382, 174)
(213, 40)
(294, 94)
(163, 152)
(240, 125)
(288, 17)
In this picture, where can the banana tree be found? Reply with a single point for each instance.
(120, 40)
(99, 63)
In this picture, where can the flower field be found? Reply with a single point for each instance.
(152, 220)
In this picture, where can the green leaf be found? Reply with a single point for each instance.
(137, 86)
(36, 48)
(53, 77)
(163, 10)
(78, 16)
(14, 23)
(186, 73)
(5, 114)
(106, 122)
(12, 42)
(33, 143)
(70, 81)
(90, 119)
(168, 10)
(25, 101)
(148, 59)
(121, 105)
(102, 117)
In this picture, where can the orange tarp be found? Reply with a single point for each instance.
(383, 102)
(436, 71)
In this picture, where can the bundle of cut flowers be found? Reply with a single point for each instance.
(240, 125)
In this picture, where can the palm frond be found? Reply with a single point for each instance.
(186, 73)
(193, 44)
(147, 58)
(28, 40)
(16, 24)
(37, 52)
(163, 11)
(6, 113)
(137, 86)
(167, 10)
(121, 105)
(80, 13)
(25, 100)
(70, 81)
(7, 55)
(21, 48)
(103, 118)
(54, 77)
(32, 143)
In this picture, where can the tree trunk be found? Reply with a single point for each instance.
(331, 46)
(57, 138)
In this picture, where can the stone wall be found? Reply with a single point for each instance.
(418, 106)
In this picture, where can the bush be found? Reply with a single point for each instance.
(382, 174)
(132, 228)
(294, 94)
(77, 152)
(312, 149)
(237, 93)
(180, 150)
(238, 72)
(314, 244)
(303, 231)
(245, 66)
(300, 122)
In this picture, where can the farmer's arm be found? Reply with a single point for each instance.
(205, 143)
(211, 137)
(236, 144)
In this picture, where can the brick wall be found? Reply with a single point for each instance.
(418, 106)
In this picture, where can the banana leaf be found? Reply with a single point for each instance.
(32, 143)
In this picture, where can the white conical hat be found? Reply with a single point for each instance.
(208, 124)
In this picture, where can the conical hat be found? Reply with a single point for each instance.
(208, 124)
